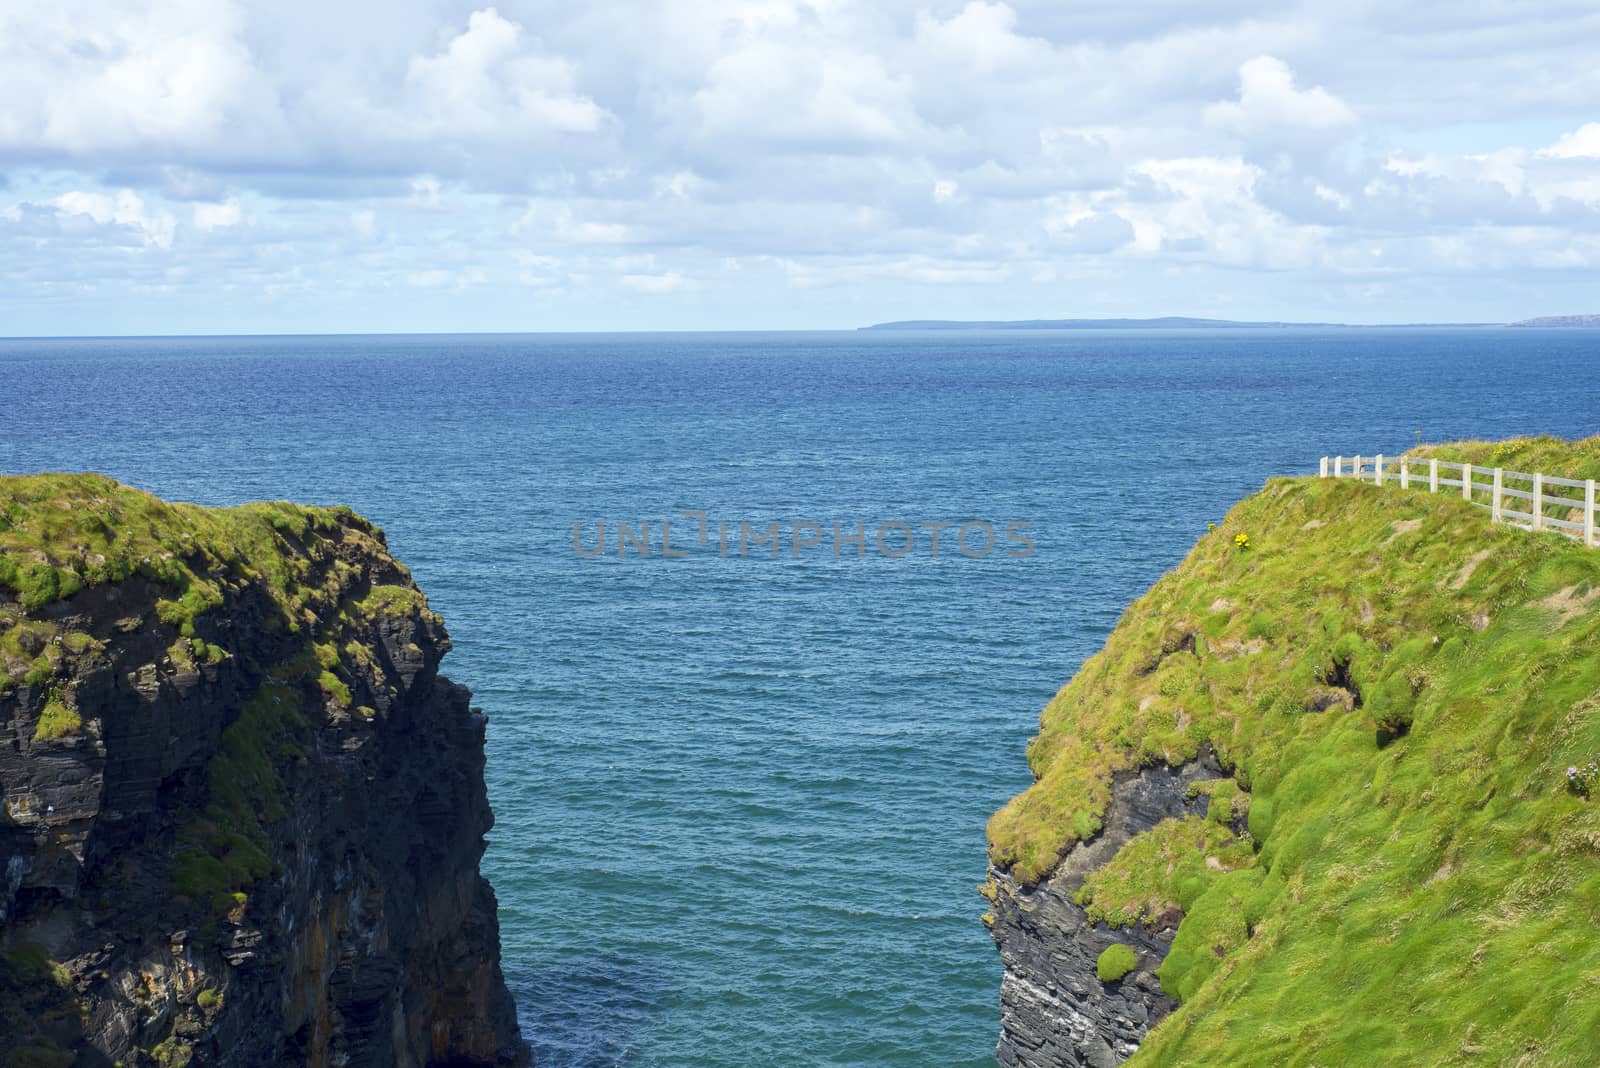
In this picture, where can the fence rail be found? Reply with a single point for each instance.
(1409, 472)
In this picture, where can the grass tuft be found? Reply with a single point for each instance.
(58, 720)
(1116, 961)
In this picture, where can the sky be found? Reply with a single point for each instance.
(235, 166)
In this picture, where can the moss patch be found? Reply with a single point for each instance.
(222, 854)
(1116, 961)
(391, 600)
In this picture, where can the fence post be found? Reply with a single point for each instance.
(1433, 476)
(1495, 501)
(1357, 469)
(1466, 482)
(1377, 470)
(1323, 473)
(1588, 512)
(1538, 501)
(1338, 467)
(1405, 474)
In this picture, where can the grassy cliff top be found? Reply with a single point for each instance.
(1545, 455)
(1400, 689)
(60, 533)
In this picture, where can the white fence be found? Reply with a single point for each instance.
(1545, 510)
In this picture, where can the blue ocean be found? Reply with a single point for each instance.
(741, 796)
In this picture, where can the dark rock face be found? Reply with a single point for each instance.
(365, 935)
(1054, 1010)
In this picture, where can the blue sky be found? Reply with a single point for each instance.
(216, 166)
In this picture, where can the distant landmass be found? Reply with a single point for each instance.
(1166, 322)
(1585, 322)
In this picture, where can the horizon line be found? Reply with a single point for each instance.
(972, 325)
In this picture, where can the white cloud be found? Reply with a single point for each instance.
(1271, 108)
(799, 77)
(1092, 232)
(980, 38)
(804, 99)
(218, 216)
(491, 82)
(207, 84)
(123, 208)
(1582, 143)
(86, 78)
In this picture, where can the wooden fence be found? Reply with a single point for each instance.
(1544, 510)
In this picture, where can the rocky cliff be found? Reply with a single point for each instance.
(243, 810)
(1054, 1008)
(1327, 796)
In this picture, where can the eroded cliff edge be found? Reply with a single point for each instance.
(243, 810)
(1055, 1010)
(1330, 794)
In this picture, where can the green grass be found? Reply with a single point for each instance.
(1166, 869)
(58, 720)
(1117, 960)
(334, 689)
(40, 671)
(1425, 884)
(61, 534)
(1526, 456)
(387, 600)
(1543, 455)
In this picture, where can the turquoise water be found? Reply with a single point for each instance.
(741, 800)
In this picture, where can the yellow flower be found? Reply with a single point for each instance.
(1242, 540)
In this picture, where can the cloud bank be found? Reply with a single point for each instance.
(219, 165)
